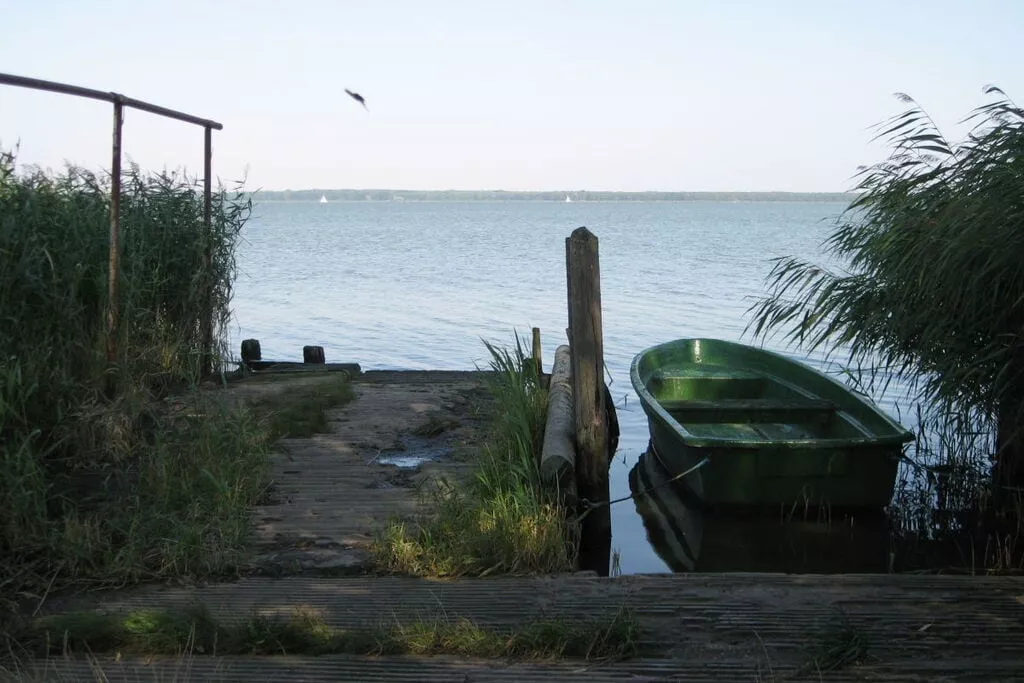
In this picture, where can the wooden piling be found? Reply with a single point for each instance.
(538, 363)
(251, 350)
(313, 355)
(583, 280)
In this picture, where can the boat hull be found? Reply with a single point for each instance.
(688, 536)
(774, 431)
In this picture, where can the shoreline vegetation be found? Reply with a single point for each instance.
(931, 294)
(156, 481)
(387, 195)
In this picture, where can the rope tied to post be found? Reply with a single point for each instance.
(591, 506)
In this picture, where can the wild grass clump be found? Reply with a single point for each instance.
(305, 632)
(107, 486)
(179, 506)
(435, 426)
(839, 645)
(943, 508)
(300, 411)
(467, 534)
(505, 519)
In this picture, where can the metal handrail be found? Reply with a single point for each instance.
(112, 97)
(120, 102)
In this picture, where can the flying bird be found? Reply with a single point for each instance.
(358, 98)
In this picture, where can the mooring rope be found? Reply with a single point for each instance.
(594, 506)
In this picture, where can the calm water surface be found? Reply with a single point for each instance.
(403, 285)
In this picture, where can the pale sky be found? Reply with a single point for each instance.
(526, 95)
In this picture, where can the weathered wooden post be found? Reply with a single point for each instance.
(251, 350)
(586, 343)
(538, 363)
(313, 355)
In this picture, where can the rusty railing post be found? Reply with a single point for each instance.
(114, 269)
(207, 358)
(113, 309)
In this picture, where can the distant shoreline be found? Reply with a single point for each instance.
(548, 196)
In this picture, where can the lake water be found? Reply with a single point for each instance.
(411, 285)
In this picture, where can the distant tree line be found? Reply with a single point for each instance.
(552, 196)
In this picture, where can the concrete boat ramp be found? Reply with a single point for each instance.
(333, 491)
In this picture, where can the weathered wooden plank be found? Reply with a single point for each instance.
(447, 669)
(698, 619)
(771, 654)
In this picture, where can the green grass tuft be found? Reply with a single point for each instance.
(504, 519)
(300, 411)
(435, 426)
(178, 506)
(304, 632)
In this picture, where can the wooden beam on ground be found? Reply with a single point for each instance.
(558, 452)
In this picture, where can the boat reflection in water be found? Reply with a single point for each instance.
(689, 535)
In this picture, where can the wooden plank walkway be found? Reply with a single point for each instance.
(452, 670)
(914, 628)
(333, 491)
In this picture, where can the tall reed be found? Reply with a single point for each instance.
(924, 285)
(59, 434)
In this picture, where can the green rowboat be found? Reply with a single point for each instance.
(775, 431)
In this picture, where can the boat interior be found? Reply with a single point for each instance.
(723, 402)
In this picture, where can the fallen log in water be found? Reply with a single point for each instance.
(558, 452)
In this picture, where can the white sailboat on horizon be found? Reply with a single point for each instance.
(568, 199)
(323, 199)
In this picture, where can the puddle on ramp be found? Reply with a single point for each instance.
(417, 451)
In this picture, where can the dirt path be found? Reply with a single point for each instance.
(332, 492)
